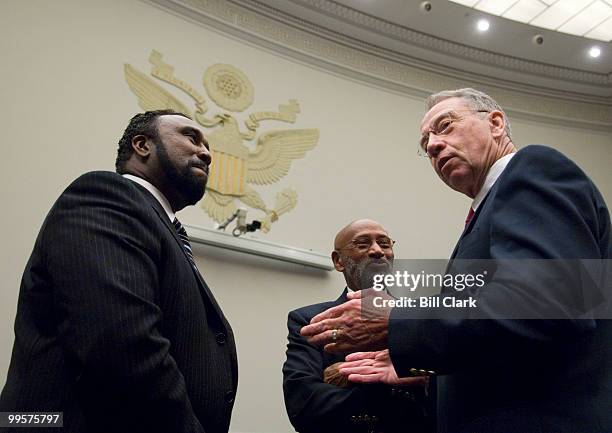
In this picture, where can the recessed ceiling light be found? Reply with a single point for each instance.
(425, 6)
(595, 52)
(483, 25)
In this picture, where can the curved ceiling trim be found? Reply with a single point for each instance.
(254, 23)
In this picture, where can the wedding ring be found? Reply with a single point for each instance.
(334, 335)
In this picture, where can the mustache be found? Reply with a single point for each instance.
(375, 261)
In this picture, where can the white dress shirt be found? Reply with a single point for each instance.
(494, 172)
(156, 193)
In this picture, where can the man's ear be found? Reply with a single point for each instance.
(141, 145)
(497, 123)
(337, 261)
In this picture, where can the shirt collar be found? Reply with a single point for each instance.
(494, 172)
(155, 192)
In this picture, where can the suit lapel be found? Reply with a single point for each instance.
(342, 298)
(203, 286)
(204, 289)
(466, 231)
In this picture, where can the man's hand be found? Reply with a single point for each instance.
(358, 324)
(376, 367)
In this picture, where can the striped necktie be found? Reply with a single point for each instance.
(184, 240)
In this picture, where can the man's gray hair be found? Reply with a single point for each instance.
(475, 99)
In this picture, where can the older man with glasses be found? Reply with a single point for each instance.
(536, 355)
(317, 397)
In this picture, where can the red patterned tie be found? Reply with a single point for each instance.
(470, 215)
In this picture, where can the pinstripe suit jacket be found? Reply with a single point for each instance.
(114, 327)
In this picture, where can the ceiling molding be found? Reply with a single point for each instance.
(473, 70)
(255, 23)
(451, 48)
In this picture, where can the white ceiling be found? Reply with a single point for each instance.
(456, 23)
(444, 38)
(588, 18)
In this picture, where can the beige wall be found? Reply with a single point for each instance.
(66, 103)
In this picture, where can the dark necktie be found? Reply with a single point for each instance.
(470, 215)
(184, 240)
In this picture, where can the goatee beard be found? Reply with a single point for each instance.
(190, 186)
(362, 273)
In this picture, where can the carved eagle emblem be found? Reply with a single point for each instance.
(235, 166)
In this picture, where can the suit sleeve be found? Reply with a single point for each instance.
(546, 208)
(102, 260)
(313, 405)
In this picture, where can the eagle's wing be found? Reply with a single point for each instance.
(219, 207)
(151, 96)
(275, 150)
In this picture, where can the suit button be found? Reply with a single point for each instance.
(229, 397)
(221, 338)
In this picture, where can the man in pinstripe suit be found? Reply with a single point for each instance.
(115, 326)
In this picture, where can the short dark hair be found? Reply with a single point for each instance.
(141, 124)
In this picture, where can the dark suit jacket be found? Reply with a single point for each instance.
(114, 327)
(501, 375)
(317, 407)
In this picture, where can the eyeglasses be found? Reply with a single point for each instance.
(364, 244)
(441, 125)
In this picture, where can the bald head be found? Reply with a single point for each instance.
(351, 230)
(362, 249)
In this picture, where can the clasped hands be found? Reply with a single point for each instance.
(359, 326)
